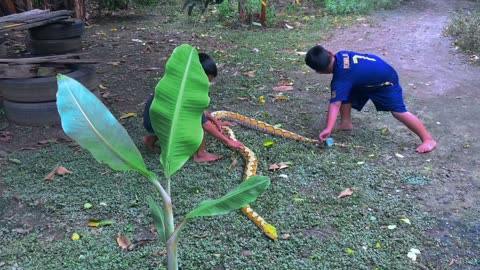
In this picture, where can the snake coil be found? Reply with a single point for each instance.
(251, 160)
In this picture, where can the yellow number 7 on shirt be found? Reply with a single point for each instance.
(356, 57)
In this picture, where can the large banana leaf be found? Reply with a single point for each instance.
(87, 121)
(181, 96)
(245, 193)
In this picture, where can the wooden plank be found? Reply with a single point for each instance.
(18, 72)
(31, 25)
(21, 16)
(49, 15)
(53, 60)
(39, 58)
(35, 16)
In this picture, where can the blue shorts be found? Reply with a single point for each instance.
(385, 98)
(147, 123)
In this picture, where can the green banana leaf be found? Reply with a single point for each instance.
(158, 219)
(87, 121)
(245, 193)
(181, 97)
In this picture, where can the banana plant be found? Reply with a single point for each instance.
(88, 121)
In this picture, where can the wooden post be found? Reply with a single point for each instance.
(79, 9)
(29, 4)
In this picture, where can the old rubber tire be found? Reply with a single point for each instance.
(53, 46)
(58, 30)
(45, 89)
(34, 114)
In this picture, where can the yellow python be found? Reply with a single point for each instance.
(251, 159)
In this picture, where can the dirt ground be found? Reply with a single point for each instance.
(440, 86)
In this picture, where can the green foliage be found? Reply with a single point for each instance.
(226, 10)
(358, 6)
(86, 120)
(229, 9)
(158, 218)
(466, 28)
(245, 193)
(181, 97)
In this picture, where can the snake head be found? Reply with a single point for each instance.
(270, 231)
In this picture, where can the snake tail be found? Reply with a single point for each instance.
(267, 228)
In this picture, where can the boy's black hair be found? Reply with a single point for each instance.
(208, 64)
(318, 58)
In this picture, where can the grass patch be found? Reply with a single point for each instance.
(465, 28)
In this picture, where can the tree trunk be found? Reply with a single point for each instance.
(8, 7)
(29, 4)
(263, 14)
(80, 9)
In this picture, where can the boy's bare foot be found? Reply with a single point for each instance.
(205, 157)
(427, 146)
(343, 126)
(149, 141)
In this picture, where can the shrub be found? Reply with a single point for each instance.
(358, 6)
(465, 29)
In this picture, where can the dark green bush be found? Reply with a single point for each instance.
(358, 6)
(465, 29)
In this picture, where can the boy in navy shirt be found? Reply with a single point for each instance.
(209, 123)
(358, 77)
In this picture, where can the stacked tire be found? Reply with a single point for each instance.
(56, 38)
(32, 102)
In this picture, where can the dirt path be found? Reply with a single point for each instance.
(443, 90)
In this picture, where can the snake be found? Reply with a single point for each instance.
(251, 160)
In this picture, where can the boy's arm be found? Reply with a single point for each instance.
(217, 122)
(213, 130)
(333, 110)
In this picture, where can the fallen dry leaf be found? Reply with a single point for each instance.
(123, 241)
(250, 73)
(62, 171)
(283, 88)
(5, 136)
(234, 163)
(128, 115)
(278, 166)
(160, 253)
(273, 167)
(283, 165)
(247, 253)
(345, 193)
(279, 97)
(59, 170)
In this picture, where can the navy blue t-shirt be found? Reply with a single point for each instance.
(357, 71)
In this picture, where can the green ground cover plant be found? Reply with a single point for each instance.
(465, 28)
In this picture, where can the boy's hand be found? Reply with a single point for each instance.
(235, 144)
(324, 134)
